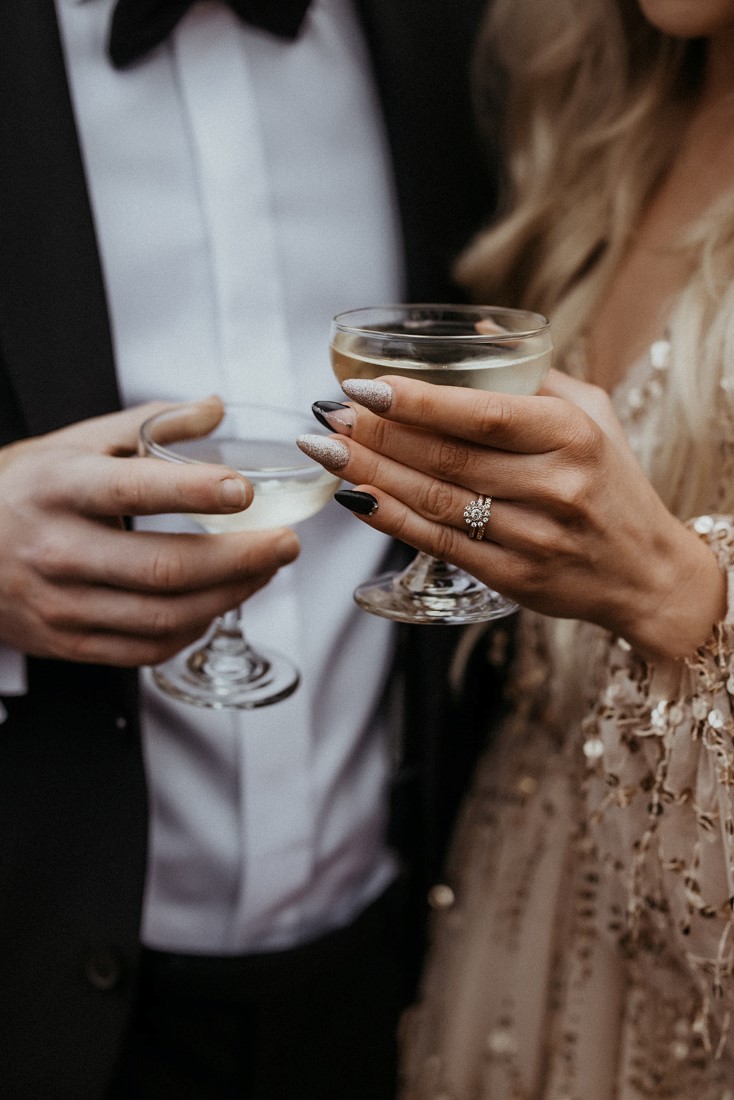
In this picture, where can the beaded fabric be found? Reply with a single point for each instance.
(583, 943)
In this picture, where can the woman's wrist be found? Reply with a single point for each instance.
(688, 599)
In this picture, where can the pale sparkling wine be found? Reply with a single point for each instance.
(287, 488)
(495, 370)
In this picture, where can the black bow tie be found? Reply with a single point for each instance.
(139, 25)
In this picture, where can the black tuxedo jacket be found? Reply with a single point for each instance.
(72, 788)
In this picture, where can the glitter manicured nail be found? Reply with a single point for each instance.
(370, 392)
(331, 453)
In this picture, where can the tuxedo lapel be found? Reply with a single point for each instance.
(421, 55)
(54, 330)
(446, 189)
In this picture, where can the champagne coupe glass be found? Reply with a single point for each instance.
(224, 670)
(480, 347)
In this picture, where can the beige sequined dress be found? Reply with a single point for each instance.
(586, 946)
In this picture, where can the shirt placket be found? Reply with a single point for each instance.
(276, 821)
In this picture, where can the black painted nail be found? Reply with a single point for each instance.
(364, 504)
(334, 415)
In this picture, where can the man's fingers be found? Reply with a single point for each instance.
(151, 561)
(105, 486)
(114, 434)
(125, 651)
(73, 608)
(181, 423)
(91, 468)
(118, 433)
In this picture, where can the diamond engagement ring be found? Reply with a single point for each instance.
(476, 516)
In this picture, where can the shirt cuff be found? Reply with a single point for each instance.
(13, 678)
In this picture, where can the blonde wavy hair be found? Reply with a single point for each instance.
(592, 101)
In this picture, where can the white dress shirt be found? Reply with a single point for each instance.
(242, 194)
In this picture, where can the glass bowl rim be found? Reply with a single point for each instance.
(159, 450)
(341, 322)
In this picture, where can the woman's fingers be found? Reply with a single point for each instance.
(576, 529)
(436, 476)
(412, 505)
(511, 422)
(488, 559)
(593, 400)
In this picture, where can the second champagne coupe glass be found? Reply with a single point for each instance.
(480, 347)
(224, 670)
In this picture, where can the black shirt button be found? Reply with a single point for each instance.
(103, 969)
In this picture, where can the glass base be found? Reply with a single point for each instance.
(432, 592)
(226, 672)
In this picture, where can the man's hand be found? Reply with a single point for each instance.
(75, 584)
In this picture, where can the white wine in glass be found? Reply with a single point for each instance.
(224, 669)
(284, 494)
(476, 347)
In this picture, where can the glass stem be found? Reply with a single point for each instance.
(230, 623)
(227, 654)
(427, 574)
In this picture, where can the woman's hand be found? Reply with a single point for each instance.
(576, 529)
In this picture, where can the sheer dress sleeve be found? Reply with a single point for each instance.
(660, 751)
